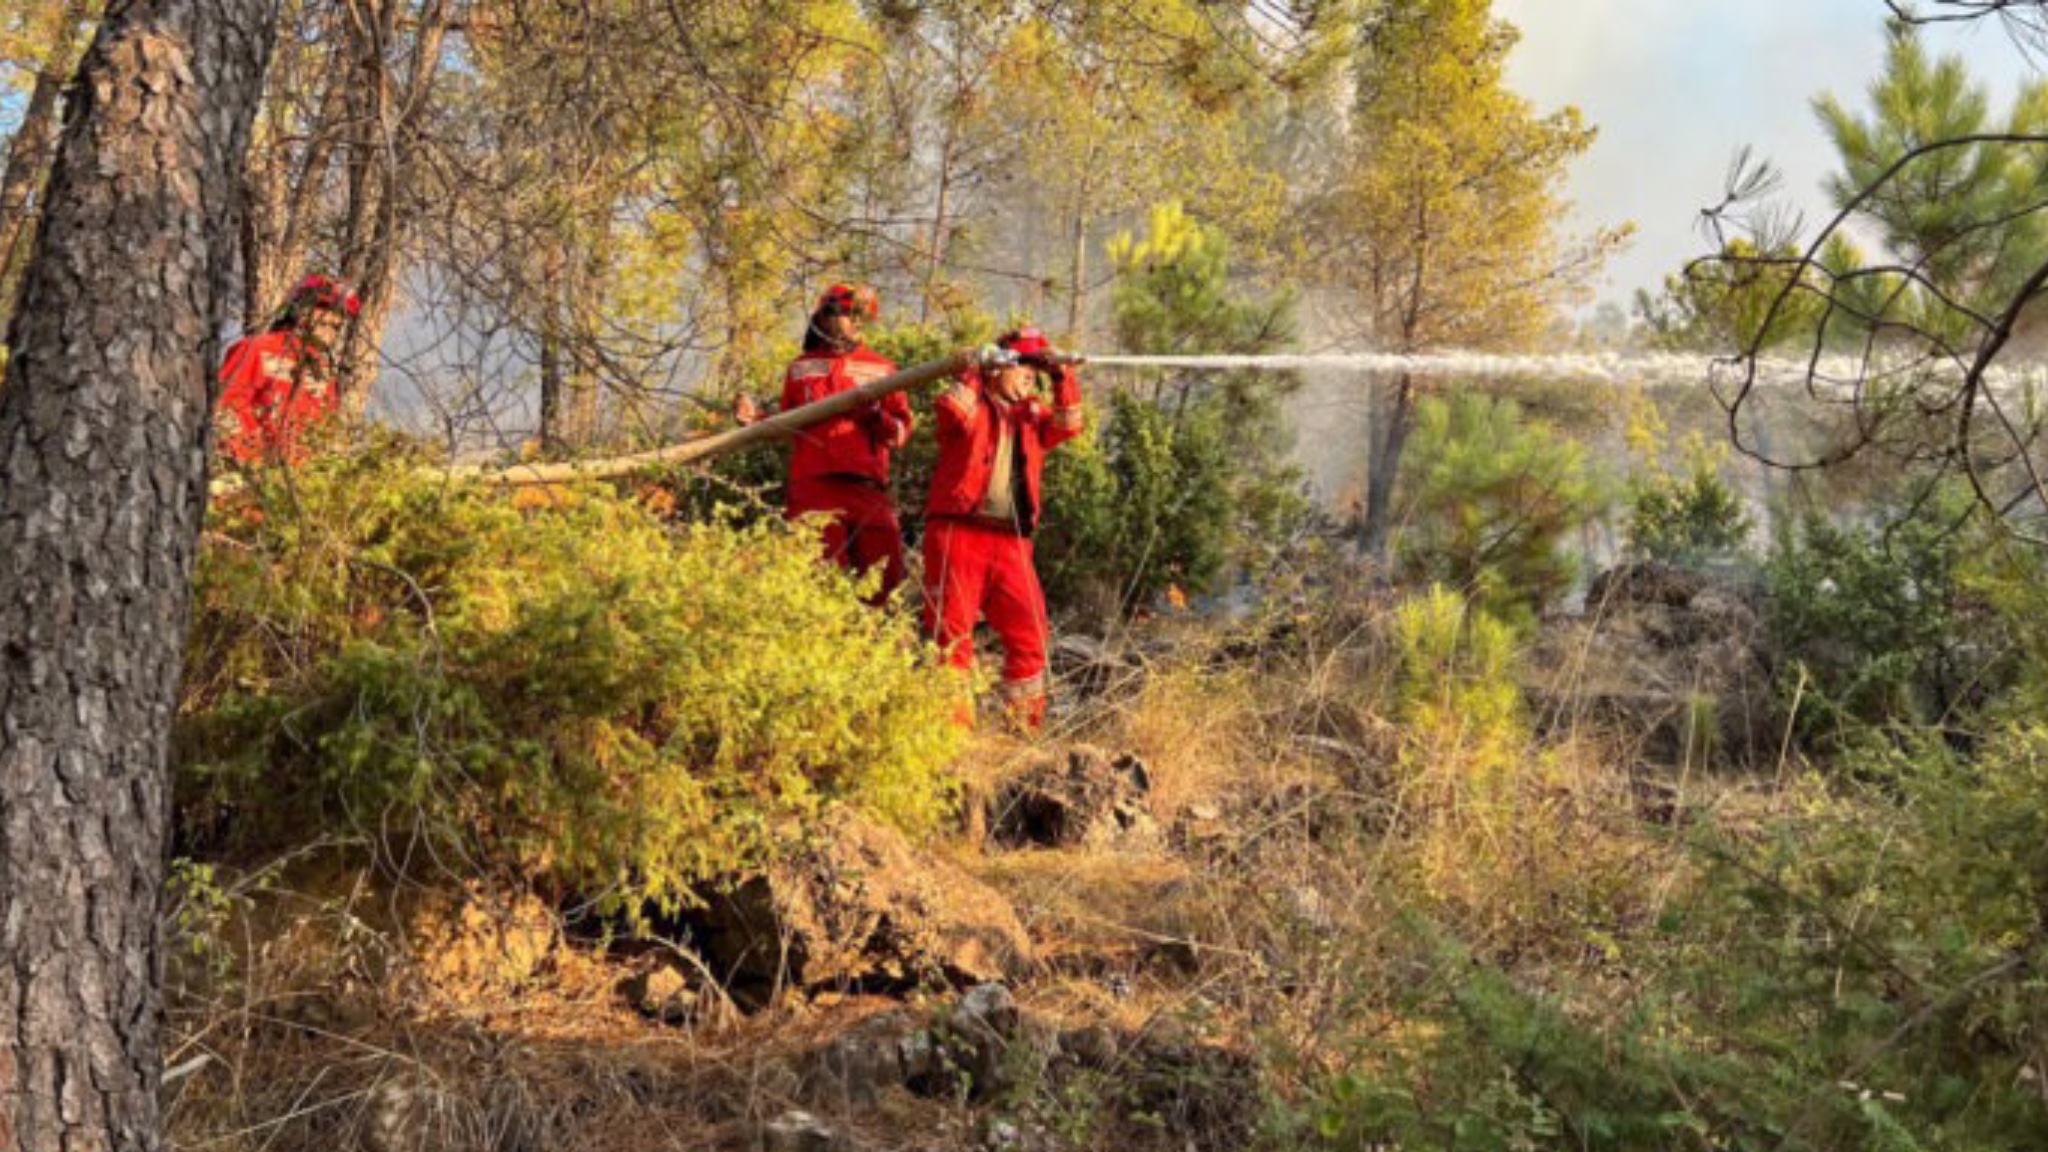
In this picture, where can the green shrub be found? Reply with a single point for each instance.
(567, 688)
(1141, 503)
(1883, 623)
(1488, 500)
(1874, 955)
(1185, 477)
(1686, 515)
(1480, 1063)
(1860, 968)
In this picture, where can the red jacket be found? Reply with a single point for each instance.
(967, 428)
(856, 444)
(272, 392)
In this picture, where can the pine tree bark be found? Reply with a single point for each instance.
(103, 441)
(28, 153)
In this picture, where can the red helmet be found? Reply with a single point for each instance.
(1026, 342)
(323, 292)
(851, 300)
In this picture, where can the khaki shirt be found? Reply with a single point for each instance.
(1001, 501)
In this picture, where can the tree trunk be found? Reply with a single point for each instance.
(282, 216)
(1077, 275)
(103, 440)
(28, 155)
(1385, 467)
(554, 439)
(935, 260)
(30, 152)
(382, 159)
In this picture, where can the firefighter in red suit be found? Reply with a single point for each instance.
(279, 384)
(994, 430)
(840, 468)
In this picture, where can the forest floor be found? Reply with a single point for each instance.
(1220, 912)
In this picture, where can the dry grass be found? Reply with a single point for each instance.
(1271, 916)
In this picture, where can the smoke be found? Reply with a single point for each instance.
(1333, 413)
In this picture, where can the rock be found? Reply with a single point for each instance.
(1002, 1134)
(863, 1062)
(988, 1008)
(1673, 660)
(1092, 800)
(1094, 1046)
(799, 1131)
(860, 907)
(1092, 667)
(474, 944)
(1310, 908)
(966, 1052)
(926, 1062)
(671, 995)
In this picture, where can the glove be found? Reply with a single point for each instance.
(990, 356)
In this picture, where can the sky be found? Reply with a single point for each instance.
(1677, 86)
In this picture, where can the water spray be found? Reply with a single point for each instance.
(1642, 369)
(1630, 368)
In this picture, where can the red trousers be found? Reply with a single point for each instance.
(863, 532)
(974, 572)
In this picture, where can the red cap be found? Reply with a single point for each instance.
(1026, 341)
(851, 300)
(325, 292)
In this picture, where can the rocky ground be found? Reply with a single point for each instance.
(1130, 937)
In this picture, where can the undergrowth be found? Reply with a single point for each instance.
(572, 691)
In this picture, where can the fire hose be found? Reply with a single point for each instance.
(705, 448)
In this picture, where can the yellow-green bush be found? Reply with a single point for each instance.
(568, 688)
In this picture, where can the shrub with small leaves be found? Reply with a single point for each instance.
(570, 689)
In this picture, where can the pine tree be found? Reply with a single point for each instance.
(1442, 225)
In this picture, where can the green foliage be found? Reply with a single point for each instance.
(1966, 217)
(1142, 503)
(1488, 500)
(1185, 475)
(568, 689)
(1487, 1066)
(1687, 516)
(1731, 300)
(1688, 519)
(1873, 956)
(1882, 623)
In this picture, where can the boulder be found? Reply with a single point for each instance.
(977, 1048)
(1670, 659)
(963, 1051)
(863, 1062)
(664, 991)
(799, 1131)
(860, 907)
(1090, 800)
